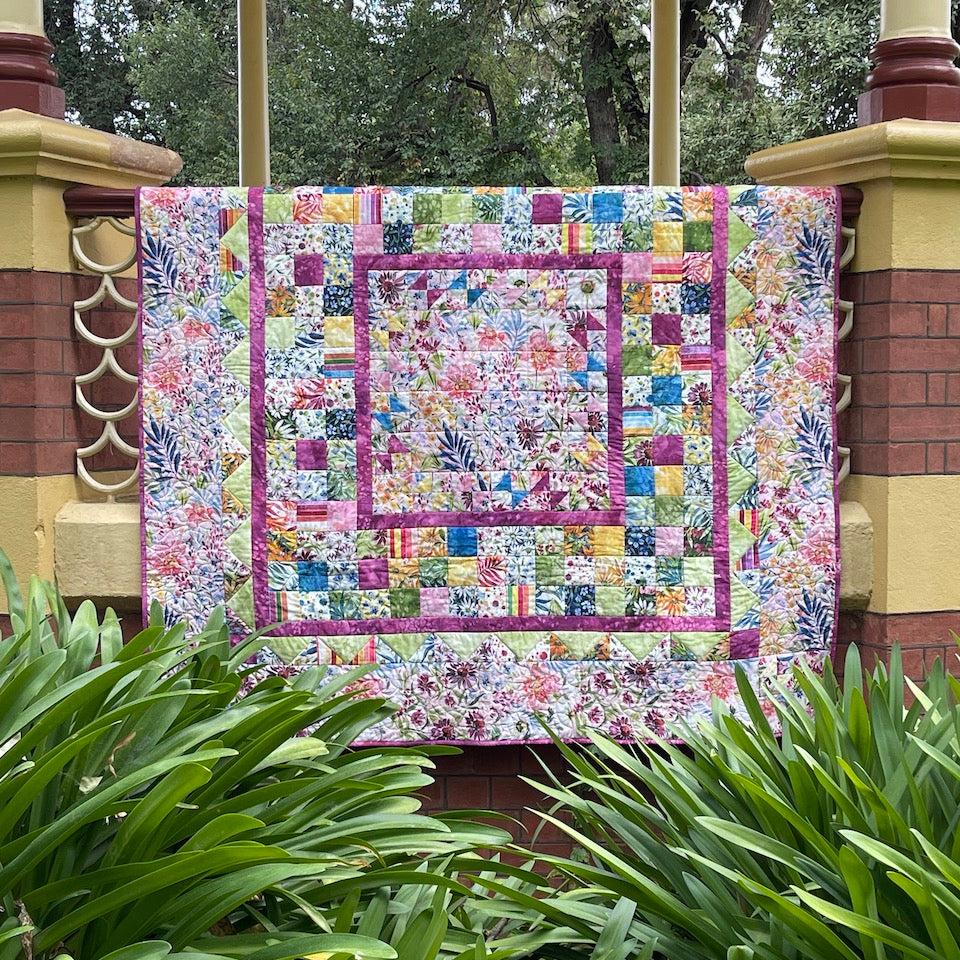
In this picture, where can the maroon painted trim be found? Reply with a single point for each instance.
(27, 79)
(100, 202)
(914, 60)
(912, 77)
(26, 56)
(851, 201)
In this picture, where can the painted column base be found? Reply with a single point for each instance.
(931, 101)
(97, 553)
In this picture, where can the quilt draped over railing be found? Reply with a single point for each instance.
(534, 454)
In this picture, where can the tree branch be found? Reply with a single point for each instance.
(755, 23)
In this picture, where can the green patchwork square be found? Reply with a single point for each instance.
(433, 572)
(341, 454)
(550, 600)
(640, 602)
(549, 540)
(669, 511)
(405, 602)
(344, 604)
(611, 600)
(426, 238)
(368, 545)
(341, 485)
(457, 208)
(277, 208)
(697, 236)
(374, 603)
(637, 360)
(669, 571)
(487, 207)
(550, 570)
(698, 571)
(637, 237)
(279, 333)
(641, 511)
(427, 208)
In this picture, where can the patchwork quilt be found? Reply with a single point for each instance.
(539, 456)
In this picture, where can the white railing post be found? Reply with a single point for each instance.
(665, 92)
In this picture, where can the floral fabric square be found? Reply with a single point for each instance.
(532, 454)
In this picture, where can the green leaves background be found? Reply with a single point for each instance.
(825, 832)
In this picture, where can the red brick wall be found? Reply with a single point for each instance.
(904, 353)
(489, 778)
(40, 354)
(923, 638)
(904, 419)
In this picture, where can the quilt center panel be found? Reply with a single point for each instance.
(488, 390)
(492, 441)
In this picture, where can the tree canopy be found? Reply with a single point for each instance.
(463, 91)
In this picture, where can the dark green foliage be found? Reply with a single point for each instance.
(836, 840)
(157, 797)
(463, 91)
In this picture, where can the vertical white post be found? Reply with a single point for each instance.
(21, 16)
(665, 92)
(253, 101)
(914, 18)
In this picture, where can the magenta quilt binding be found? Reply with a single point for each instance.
(740, 641)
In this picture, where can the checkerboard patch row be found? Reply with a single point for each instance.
(529, 452)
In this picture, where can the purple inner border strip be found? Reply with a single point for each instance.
(265, 599)
(521, 624)
(258, 444)
(718, 339)
(613, 265)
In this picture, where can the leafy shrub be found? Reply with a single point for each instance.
(147, 807)
(838, 840)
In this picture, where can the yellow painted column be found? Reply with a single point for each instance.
(914, 18)
(665, 92)
(254, 102)
(21, 16)
(40, 157)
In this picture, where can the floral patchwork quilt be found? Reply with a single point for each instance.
(540, 457)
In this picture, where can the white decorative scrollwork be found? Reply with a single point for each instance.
(109, 364)
(845, 382)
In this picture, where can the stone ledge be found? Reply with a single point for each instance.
(33, 145)
(905, 149)
(97, 553)
(856, 556)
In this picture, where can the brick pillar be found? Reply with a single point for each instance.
(40, 352)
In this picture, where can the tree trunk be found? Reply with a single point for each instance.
(603, 123)
(693, 38)
(755, 26)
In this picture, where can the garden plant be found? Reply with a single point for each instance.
(163, 798)
(824, 827)
(159, 798)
